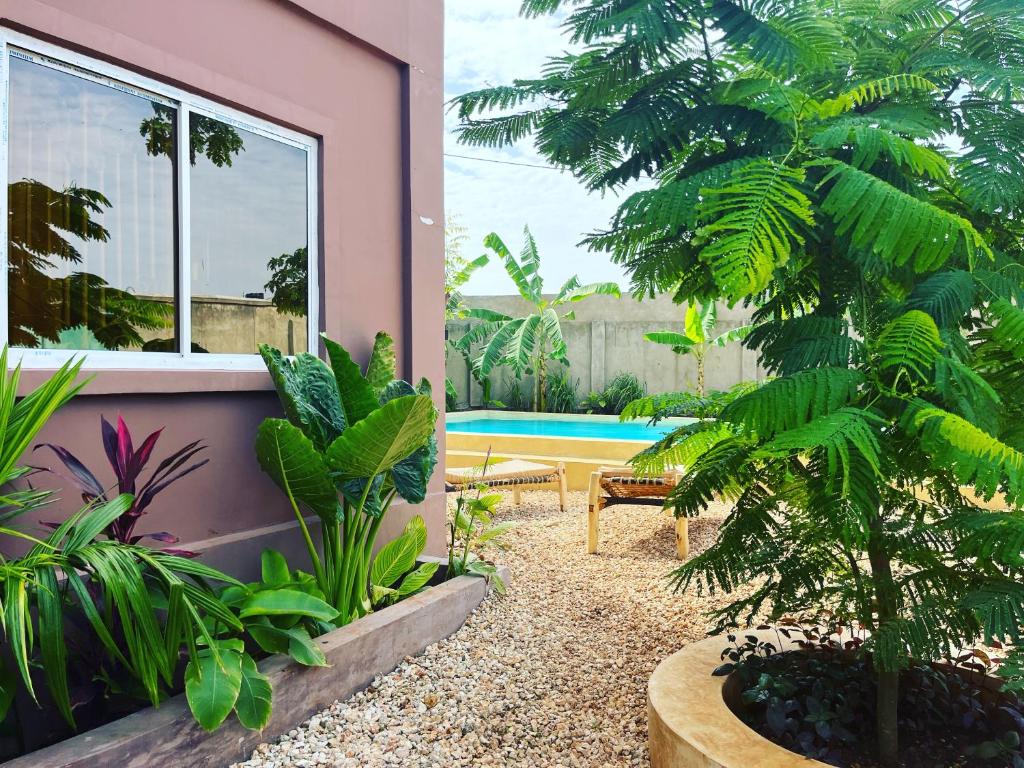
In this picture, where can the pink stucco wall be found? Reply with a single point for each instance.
(364, 76)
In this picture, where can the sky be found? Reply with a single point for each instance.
(487, 43)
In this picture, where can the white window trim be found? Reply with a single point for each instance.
(185, 103)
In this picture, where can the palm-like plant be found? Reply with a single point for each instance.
(526, 344)
(142, 606)
(852, 170)
(698, 337)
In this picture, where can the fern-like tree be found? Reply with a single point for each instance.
(852, 170)
(698, 336)
(526, 344)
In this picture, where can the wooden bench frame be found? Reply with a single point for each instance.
(604, 492)
(498, 479)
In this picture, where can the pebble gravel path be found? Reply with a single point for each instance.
(553, 674)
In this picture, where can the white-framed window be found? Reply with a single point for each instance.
(146, 227)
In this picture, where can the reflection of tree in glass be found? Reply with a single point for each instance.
(217, 140)
(288, 282)
(41, 306)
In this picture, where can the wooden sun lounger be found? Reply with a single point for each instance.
(516, 474)
(618, 485)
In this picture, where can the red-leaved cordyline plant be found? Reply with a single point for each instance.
(128, 464)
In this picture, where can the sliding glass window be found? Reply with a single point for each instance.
(98, 256)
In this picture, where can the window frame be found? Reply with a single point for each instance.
(53, 56)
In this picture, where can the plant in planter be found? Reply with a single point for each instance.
(847, 170)
(820, 700)
(128, 464)
(394, 574)
(141, 611)
(352, 442)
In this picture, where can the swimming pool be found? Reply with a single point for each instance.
(588, 428)
(580, 441)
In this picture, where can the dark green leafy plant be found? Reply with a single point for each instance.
(622, 390)
(669, 405)
(814, 691)
(850, 170)
(562, 394)
(352, 442)
(280, 614)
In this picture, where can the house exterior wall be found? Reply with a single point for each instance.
(365, 78)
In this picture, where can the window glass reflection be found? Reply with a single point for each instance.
(91, 241)
(249, 266)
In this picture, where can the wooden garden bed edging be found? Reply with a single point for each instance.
(168, 737)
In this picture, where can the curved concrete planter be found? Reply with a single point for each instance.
(168, 737)
(690, 725)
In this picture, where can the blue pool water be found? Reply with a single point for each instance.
(609, 430)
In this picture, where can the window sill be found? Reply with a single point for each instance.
(114, 381)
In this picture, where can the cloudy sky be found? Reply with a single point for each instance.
(486, 43)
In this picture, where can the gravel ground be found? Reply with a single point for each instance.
(553, 674)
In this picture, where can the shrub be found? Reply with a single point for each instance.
(562, 395)
(623, 389)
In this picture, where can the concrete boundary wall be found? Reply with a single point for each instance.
(607, 337)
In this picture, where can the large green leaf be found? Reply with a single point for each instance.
(358, 398)
(308, 393)
(303, 648)
(291, 459)
(286, 602)
(253, 706)
(680, 343)
(910, 343)
(418, 579)
(212, 688)
(494, 353)
(411, 475)
(382, 368)
(385, 437)
(398, 556)
(753, 224)
(525, 276)
(898, 227)
(274, 568)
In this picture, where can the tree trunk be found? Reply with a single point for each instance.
(700, 373)
(887, 600)
(886, 718)
(540, 373)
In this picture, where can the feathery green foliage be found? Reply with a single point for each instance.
(853, 172)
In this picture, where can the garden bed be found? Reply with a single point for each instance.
(164, 736)
(691, 726)
(697, 719)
